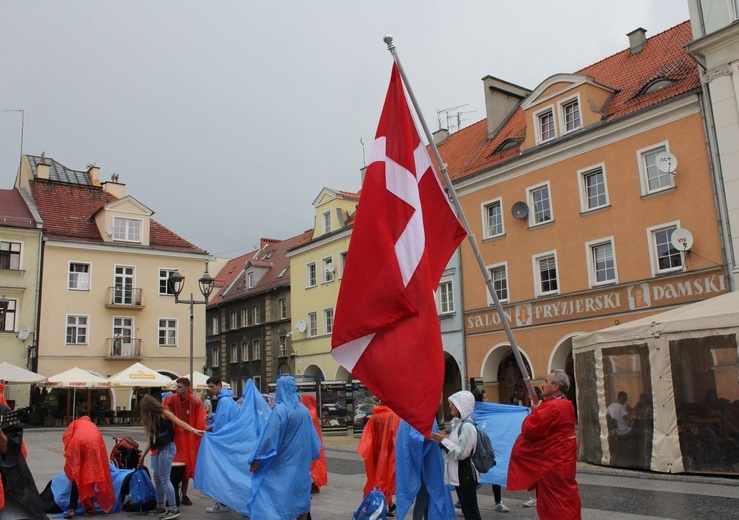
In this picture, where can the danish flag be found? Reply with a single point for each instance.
(386, 331)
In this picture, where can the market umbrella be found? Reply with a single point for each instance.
(14, 374)
(198, 381)
(76, 378)
(139, 375)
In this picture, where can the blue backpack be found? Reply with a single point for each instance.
(483, 456)
(373, 506)
(142, 495)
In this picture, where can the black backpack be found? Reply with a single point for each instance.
(483, 456)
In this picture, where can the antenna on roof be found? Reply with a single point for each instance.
(451, 116)
(364, 162)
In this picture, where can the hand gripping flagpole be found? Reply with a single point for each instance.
(458, 207)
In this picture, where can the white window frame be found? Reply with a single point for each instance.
(257, 380)
(22, 246)
(440, 300)
(250, 280)
(582, 177)
(77, 326)
(537, 123)
(653, 256)
(283, 346)
(164, 274)
(326, 222)
(125, 229)
(538, 290)
(532, 207)
(328, 320)
(9, 325)
(563, 117)
(245, 348)
(282, 308)
(78, 278)
(256, 312)
(167, 327)
(311, 276)
(641, 159)
(592, 266)
(485, 208)
(245, 317)
(490, 268)
(256, 345)
(216, 325)
(215, 360)
(233, 320)
(342, 263)
(328, 277)
(312, 324)
(234, 348)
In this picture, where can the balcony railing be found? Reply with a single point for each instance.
(120, 348)
(129, 297)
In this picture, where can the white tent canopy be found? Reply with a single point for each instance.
(682, 365)
(139, 375)
(14, 374)
(76, 378)
(197, 383)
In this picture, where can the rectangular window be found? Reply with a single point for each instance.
(328, 320)
(546, 126)
(602, 260)
(282, 304)
(283, 346)
(499, 277)
(215, 357)
(328, 269)
(653, 179)
(546, 274)
(164, 286)
(79, 277)
(571, 112)
(244, 351)
(244, 317)
(257, 314)
(593, 191)
(127, 229)
(216, 325)
(445, 297)
(257, 383)
(77, 327)
(234, 353)
(122, 336)
(493, 216)
(250, 280)
(7, 319)
(312, 324)
(666, 258)
(257, 349)
(310, 275)
(10, 255)
(342, 263)
(326, 219)
(167, 332)
(541, 203)
(234, 320)
(123, 283)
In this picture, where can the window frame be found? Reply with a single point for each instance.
(215, 325)
(12, 254)
(12, 311)
(126, 231)
(532, 206)
(282, 308)
(583, 175)
(326, 222)
(256, 353)
(215, 360)
(167, 271)
(643, 169)
(328, 277)
(245, 316)
(312, 324)
(166, 328)
(538, 115)
(250, 280)
(234, 349)
(233, 322)
(342, 264)
(653, 248)
(77, 273)
(592, 264)
(445, 280)
(245, 348)
(487, 229)
(562, 105)
(328, 320)
(311, 276)
(496, 267)
(256, 311)
(538, 282)
(282, 346)
(77, 326)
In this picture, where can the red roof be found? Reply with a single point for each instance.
(14, 211)
(67, 211)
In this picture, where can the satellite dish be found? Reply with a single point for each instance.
(329, 268)
(301, 325)
(24, 333)
(109, 231)
(520, 210)
(682, 239)
(666, 162)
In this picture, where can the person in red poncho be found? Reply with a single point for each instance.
(189, 409)
(544, 456)
(318, 468)
(87, 467)
(377, 448)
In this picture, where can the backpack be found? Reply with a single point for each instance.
(483, 456)
(372, 507)
(142, 495)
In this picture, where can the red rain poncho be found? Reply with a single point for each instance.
(377, 448)
(87, 463)
(318, 468)
(545, 456)
(190, 411)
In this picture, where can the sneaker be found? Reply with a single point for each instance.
(218, 508)
(172, 514)
(159, 511)
(185, 500)
(501, 508)
(531, 502)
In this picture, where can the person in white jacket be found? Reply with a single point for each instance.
(457, 448)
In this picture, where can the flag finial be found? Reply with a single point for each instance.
(389, 40)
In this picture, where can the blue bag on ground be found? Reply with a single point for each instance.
(373, 506)
(142, 495)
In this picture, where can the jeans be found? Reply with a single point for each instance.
(421, 507)
(468, 498)
(162, 471)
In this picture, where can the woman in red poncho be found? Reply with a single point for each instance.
(318, 468)
(87, 467)
(377, 448)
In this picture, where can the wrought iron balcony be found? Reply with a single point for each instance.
(128, 297)
(119, 348)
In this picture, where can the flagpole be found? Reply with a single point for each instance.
(473, 241)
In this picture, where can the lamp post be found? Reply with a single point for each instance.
(177, 283)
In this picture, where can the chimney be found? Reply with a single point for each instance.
(94, 173)
(637, 40)
(42, 171)
(501, 98)
(440, 136)
(114, 187)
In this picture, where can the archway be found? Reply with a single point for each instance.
(342, 374)
(500, 373)
(283, 370)
(562, 358)
(315, 372)
(452, 384)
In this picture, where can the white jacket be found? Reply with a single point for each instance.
(459, 446)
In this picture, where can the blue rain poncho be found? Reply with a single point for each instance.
(419, 461)
(502, 422)
(61, 487)
(289, 443)
(222, 471)
(226, 411)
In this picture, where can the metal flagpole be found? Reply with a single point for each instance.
(458, 207)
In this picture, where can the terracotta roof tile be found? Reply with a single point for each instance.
(13, 210)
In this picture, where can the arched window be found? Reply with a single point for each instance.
(656, 85)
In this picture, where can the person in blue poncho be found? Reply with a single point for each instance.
(226, 411)
(281, 463)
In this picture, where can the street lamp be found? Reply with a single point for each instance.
(176, 284)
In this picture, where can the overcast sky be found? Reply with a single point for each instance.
(227, 118)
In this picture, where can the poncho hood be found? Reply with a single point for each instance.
(287, 392)
(465, 403)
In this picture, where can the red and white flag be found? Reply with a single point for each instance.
(386, 331)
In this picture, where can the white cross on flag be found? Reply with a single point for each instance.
(386, 331)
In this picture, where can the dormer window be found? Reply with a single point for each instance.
(126, 229)
(546, 126)
(656, 85)
(250, 280)
(326, 216)
(571, 115)
(507, 145)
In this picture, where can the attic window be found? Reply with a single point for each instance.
(507, 145)
(656, 85)
(268, 255)
(282, 273)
